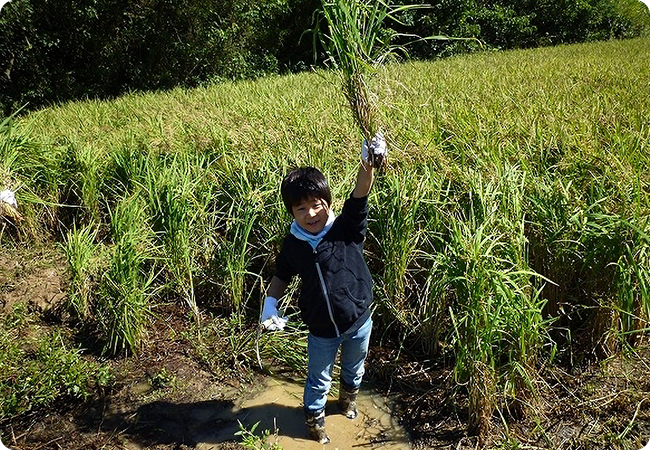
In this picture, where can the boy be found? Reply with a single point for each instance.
(327, 253)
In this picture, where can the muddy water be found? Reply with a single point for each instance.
(278, 407)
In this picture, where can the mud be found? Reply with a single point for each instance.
(39, 282)
(136, 420)
(277, 409)
(275, 406)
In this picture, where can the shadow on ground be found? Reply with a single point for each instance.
(210, 421)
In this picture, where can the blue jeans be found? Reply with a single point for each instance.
(322, 353)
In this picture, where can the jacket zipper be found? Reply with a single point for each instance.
(327, 298)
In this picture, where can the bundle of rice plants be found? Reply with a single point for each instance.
(356, 43)
(79, 248)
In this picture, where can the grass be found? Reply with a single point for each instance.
(513, 219)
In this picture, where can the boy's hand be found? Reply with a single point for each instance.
(270, 317)
(374, 153)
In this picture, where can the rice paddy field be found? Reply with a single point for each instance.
(508, 240)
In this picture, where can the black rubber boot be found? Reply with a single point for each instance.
(316, 427)
(348, 401)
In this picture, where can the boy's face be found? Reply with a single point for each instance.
(311, 214)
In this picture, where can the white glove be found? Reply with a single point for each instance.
(9, 198)
(270, 317)
(377, 147)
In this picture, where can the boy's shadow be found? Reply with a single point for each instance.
(209, 422)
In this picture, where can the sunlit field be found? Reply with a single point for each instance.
(508, 231)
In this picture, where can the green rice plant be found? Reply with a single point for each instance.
(235, 253)
(554, 249)
(80, 251)
(88, 180)
(171, 185)
(243, 192)
(497, 315)
(431, 297)
(228, 337)
(128, 167)
(397, 238)
(34, 172)
(632, 283)
(581, 240)
(123, 307)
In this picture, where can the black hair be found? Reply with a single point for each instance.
(302, 183)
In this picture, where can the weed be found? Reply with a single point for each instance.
(35, 376)
(254, 442)
(162, 379)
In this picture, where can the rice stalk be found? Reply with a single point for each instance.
(79, 248)
(123, 306)
(171, 186)
(89, 165)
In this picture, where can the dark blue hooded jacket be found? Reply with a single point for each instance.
(336, 291)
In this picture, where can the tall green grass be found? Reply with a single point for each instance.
(511, 227)
(35, 173)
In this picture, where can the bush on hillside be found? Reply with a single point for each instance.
(64, 50)
(510, 24)
(57, 51)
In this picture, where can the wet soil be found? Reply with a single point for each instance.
(168, 397)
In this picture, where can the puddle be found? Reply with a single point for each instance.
(279, 407)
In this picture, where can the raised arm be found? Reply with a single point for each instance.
(364, 180)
